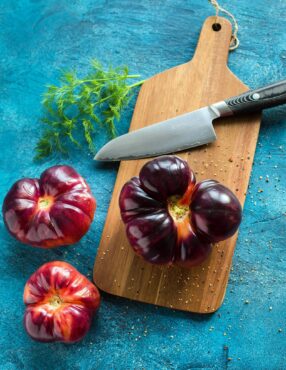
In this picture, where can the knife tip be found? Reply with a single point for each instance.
(99, 156)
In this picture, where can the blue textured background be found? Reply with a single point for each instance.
(38, 37)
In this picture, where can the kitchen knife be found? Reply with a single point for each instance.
(191, 129)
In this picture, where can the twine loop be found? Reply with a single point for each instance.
(234, 41)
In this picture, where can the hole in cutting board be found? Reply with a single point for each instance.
(216, 27)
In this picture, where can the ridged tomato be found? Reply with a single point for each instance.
(171, 219)
(60, 303)
(55, 210)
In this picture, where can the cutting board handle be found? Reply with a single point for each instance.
(213, 44)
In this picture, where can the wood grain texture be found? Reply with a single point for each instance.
(202, 81)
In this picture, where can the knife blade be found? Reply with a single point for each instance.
(190, 129)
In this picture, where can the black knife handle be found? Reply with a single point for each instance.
(258, 99)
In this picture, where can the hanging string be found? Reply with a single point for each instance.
(234, 42)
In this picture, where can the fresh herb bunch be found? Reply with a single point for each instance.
(79, 104)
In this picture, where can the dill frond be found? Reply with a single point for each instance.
(77, 105)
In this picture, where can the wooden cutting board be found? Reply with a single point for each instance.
(204, 80)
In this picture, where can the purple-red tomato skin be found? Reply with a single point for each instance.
(153, 236)
(147, 217)
(192, 251)
(213, 213)
(166, 176)
(55, 210)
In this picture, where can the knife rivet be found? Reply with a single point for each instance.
(256, 96)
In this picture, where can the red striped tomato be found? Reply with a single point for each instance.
(60, 303)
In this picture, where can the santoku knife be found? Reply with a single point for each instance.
(191, 129)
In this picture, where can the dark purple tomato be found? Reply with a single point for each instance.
(171, 220)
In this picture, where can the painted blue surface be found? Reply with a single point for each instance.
(38, 37)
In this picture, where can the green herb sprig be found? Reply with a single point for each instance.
(77, 105)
